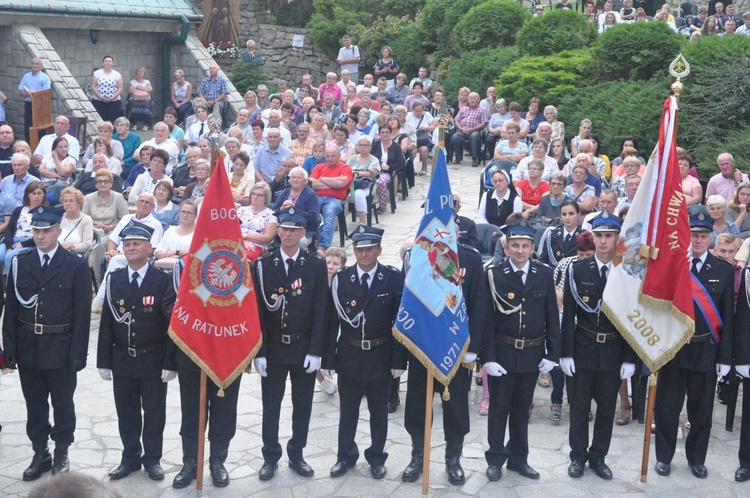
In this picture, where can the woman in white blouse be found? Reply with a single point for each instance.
(177, 239)
(58, 166)
(77, 229)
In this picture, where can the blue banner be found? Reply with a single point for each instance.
(432, 322)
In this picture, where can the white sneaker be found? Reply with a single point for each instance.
(327, 386)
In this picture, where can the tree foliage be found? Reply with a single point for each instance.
(437, 20)
(490, 24)
(554, 32)
(476, 69)
(736, 142)
(247, 75)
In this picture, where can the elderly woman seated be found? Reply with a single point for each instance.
(77, 229)
(177, 239)
(105, 130)
(240, 180)
(164, 210)
(104, 146)
(303, 197)
(257, 222)
(86, 182)
(717, 210)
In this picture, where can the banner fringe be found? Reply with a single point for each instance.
(427, 363)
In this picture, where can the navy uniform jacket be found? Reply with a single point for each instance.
(305, 310)
(64, 297)
(537, 317)
(741, 337)
(475, 298)
(587, 352)
(466, 230)
(150, 311)
(380, 305)
(717, 276)
(560, 249)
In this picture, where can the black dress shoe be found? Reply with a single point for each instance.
(575, 469)
(219, 474)
(699, 471)
(301, 468)
(60, 463)
(155, 472)
(494, 472)
(601, 470)
(41, 463)
(187, 474)
(123, 471)
(742, 474)
(393, 404)
(455, 471)
(413, 470)
(524, 470)
(663, 469)
(377, 471)
(340, 468)
(267, 471)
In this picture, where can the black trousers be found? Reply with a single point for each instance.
(602, 387)
(27, 120)
(131, 395)
(39, 386)
(221, 415)
(108, 111)
(455, 410)
(674, 382)
(273, 386)
(744, 453)
(510, 398)
(350, 396)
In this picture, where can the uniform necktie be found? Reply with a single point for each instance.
(134, 282)
(519, 274)
(604, 275)
(694, 268)
(200, 133)
(289, 265)
(365, 278)
(45, 263)
(567, 240)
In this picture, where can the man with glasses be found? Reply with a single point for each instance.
(115, 254)
(162, 141)
(61, 127)
(269, 156)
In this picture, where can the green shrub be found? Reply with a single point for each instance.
(617, 109)
(247, 76)
(548, 78)
(332, 20)
(554, 32)
(635, 51)
(437, 20)
(402, 7)
(488, 25)
(295, 14)
(396, 32)
(709, 51)
(476, 69)
(736, 142)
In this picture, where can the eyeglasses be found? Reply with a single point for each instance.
(535, 168)
(202, 169)
(143, 201)
(257, 194)
(102, 182)
(187, 213)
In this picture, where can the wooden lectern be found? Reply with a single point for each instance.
(41, 116)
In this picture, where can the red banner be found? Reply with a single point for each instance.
(668, 277)
(215, 318)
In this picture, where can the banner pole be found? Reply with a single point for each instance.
(649, 420)
(201, 435)
(427, 434)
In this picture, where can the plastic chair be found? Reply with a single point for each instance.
(485, 180)
(488, 236)
(97, 243)
(372, 202)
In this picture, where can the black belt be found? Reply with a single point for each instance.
(135, 352)
(521, 343)
(366, 345)
(600, 337)
(700, 338)
(289, 338)
(41, 328)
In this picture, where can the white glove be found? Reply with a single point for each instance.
(627, 370)
(495, 369)
(105, 373)
(312, 363)
(329, 373)
(260, 366)
(167, 375)
(397, 372)
(469, 357)
(743, 370)
(568, 366)
(722, 370)
(546, 366)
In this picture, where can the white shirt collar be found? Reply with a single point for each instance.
(599, 265)
(51, 254)
(285, 256)
(525, 268)
(505, 197)
(361, 272)
(702, 258)
(140, 271)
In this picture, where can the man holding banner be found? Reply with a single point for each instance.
(707, 354)
(215, 325)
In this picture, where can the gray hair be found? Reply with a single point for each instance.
(122, 120)
(21, 157)
(298, 169)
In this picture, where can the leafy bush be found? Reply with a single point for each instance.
(635, 51)
(402, 7)
(476, 69)
(333, 19)
(617, 109)
(548, 78)
(709, 51)
(554, 32)
(438, 19)
(247, 75)
(493, 23)
(295, 14)
(736, 142)
(396, 32)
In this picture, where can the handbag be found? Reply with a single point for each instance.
(362, 183)
(361, 62)
(424, 137)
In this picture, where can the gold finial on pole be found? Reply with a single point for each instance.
(679, 68)
(443, 120)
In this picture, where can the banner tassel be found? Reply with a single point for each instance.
(446, 394)
(220, 393)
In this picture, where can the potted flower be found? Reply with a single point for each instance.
(222, 50)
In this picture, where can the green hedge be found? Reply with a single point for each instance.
(437, 19)
(617, 109)
(635, 51)
(736, 142)
(554, 32)
(549, 78)
(493, 23)
(332, 20)
(476, 69)
(247, 76)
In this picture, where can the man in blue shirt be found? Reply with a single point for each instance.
(31, 82)
(268, 159)
(16, 184)
(214, 89)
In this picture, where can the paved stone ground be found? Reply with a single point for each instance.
(97, 447)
